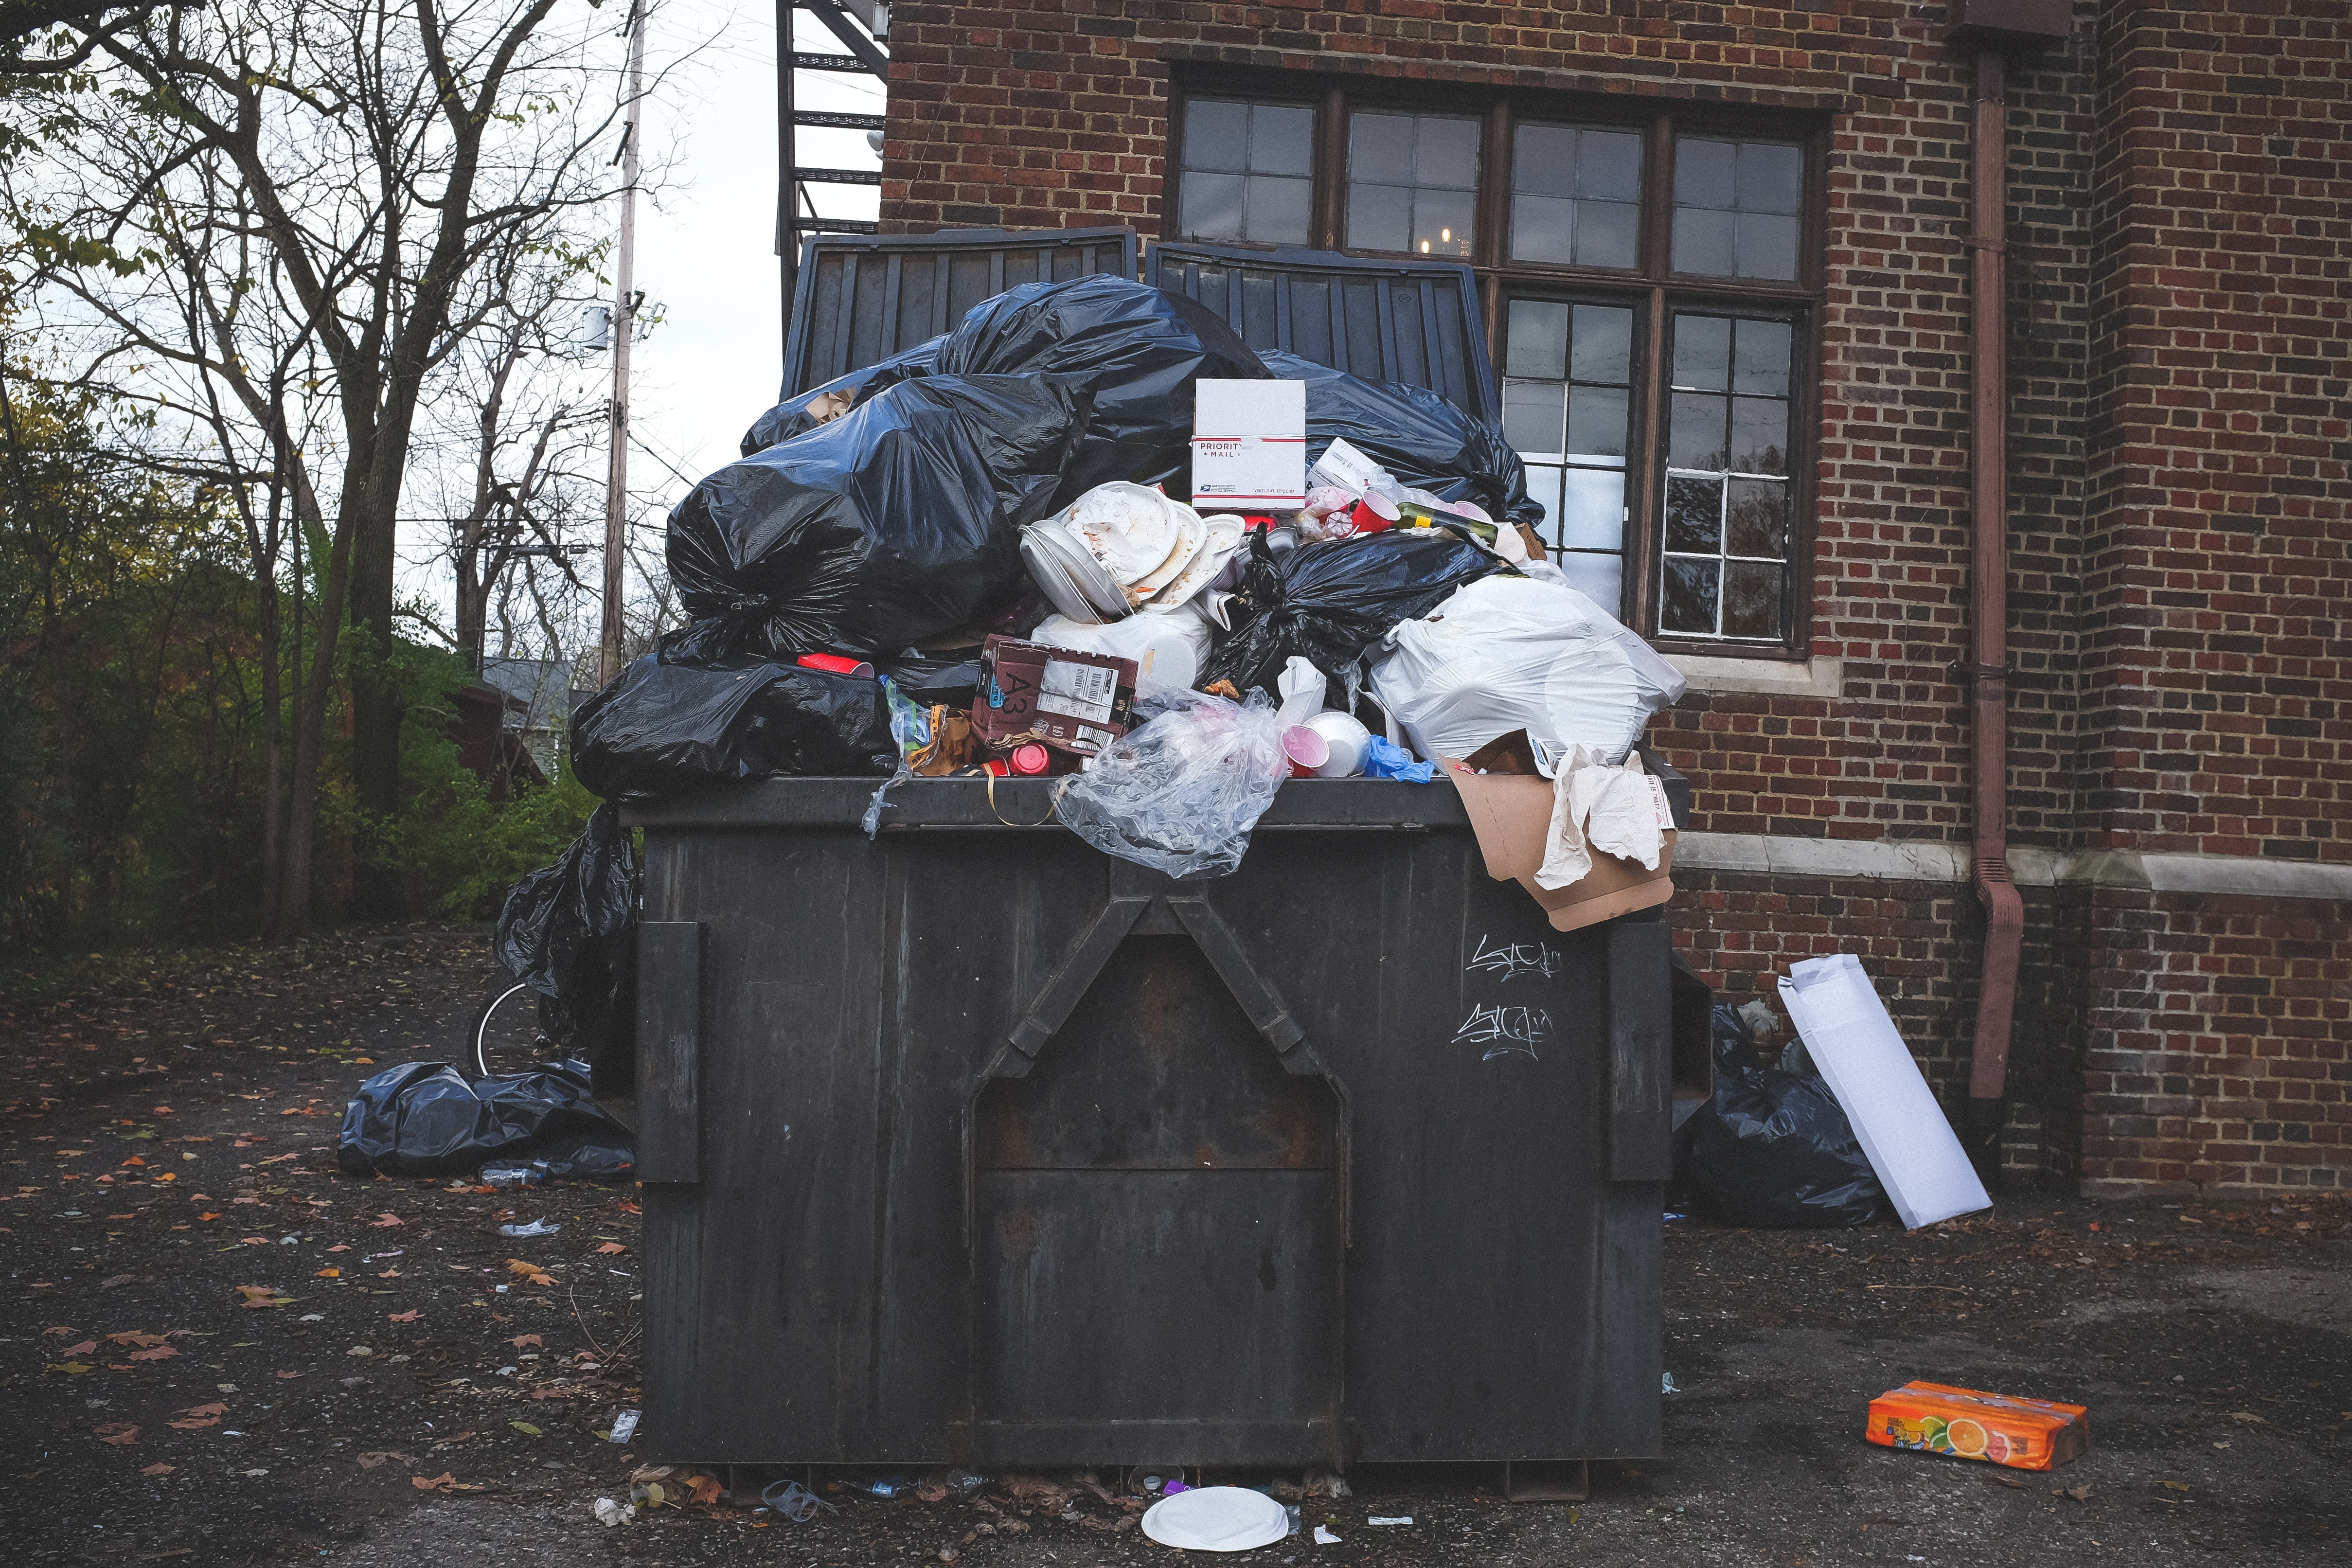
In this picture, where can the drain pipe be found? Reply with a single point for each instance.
(1989, 596)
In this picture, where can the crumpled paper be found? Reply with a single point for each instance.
(1613, 810)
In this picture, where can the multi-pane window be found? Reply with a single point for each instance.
(1248, 171)
(1412, 183)
(1650, 286)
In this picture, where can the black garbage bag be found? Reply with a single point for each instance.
(1137, 352)
(1330, 602)
(1774, 1149)
(797, 416)
(675, 720)
(1414, 434)
(427, 1118)
(929, 679)
(886, 527)
(569, 932)
(578, 1157)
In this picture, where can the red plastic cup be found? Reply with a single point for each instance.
(837, 664)
(1306, 751)
(1029, 760)
(1364, 519)
(996, 765)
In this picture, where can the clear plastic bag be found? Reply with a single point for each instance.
(1181, 793)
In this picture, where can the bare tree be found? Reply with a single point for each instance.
(341, 178)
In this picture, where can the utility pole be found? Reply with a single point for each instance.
(625, 320)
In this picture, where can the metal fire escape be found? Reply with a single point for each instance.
(860, 26)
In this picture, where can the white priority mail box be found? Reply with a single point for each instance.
(1249, 446)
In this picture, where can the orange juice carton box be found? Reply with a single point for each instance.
(1969, 1424)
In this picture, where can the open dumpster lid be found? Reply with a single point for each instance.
(1417, 323)
(860, 298)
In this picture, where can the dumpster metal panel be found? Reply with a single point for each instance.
(1414, 322)
(860, 298)
(1340, 1192)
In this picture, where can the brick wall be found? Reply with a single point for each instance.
(2181, 319)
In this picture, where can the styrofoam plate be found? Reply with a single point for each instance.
(1216, 1519)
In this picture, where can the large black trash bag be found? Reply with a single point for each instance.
(427, 1118)
(1414, 434)
(796, 415)
(569, 932)
(1330, 602)
(1774, 1149)
(1137, 352)
(889, 526)
(676, 720)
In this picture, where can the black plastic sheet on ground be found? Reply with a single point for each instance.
(569, 930)
(884, 527)
(427, 1118)
(1415, 435)
(1330, 602)
(673, 721)
(1774, 1149)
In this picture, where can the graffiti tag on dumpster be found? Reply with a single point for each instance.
(1505, 1030)
(1510, 963)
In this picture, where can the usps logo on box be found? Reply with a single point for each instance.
(1249, 445)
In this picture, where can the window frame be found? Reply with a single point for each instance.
(1651, 286)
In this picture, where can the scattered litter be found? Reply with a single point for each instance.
(609, 1513)
(536, 1228)
(1969, 1424)
(1390, 1518)
(1666, 1384)
(789, 1498)
(625, 1426)
(1325, 1538)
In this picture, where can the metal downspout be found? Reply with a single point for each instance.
(1989, 608)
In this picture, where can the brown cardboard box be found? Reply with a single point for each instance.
(1510, 810)
(1075, 702)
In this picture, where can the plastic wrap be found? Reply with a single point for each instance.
(1774, 1149)
(1181, 793)
(819, 405)
(673, 722)
(887, 527)
(1135, 351)
(1420, 438)
(569, 931)
(1330, 602)
(427, 1118)
(1510, 653)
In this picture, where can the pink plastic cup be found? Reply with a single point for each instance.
(1306, 751)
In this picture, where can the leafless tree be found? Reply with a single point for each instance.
(226, 194)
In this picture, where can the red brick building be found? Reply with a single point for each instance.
(1726, 258)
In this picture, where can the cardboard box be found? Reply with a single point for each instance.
(1078, 702)
(1969, 1424)
(1249, 446)
(1510, 811)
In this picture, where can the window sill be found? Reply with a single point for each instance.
(1822, 676)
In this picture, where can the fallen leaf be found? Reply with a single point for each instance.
(330, 1273)
(410, 1316)
(109, 1284)
(135, 1160)
(385, 1221)
(375, 1457)
(60, 1331)
(2174, 1486)
(445, 1482)
(2080, 1494)
(339, 1247)
(82, 1349)
(706, 1489)
(194, 1423)
(611, 1247)
(209, 1216)
(121, 1434)
(2010, 1481)
(388, 1274)
(135, 1337)
(75, 1367)
(289, 1374)
(158, 1469)
(161, 1352)
(2246, 1417)
(520, 1341)
(215, 1408)
(526, 1428)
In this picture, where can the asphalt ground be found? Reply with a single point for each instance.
(217, 1349)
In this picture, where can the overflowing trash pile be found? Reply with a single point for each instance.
(1089, 535)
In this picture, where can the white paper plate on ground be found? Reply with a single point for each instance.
(1216, 1519)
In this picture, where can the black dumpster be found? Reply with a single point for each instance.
(969, 1144)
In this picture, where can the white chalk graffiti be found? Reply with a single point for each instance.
(1505, 1030)
(1521, 958)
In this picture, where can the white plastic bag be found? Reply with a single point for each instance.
(1181, 792)
(1168, 646)
(1512, 653)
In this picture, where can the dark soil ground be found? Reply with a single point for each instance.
(397, 1385)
